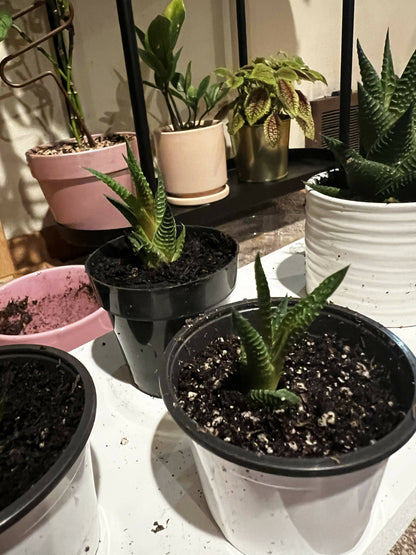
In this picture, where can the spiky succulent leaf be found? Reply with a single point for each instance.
(258, 372)
(265, 307)
(257, 105)
(388, 77)
(404, 91)
(374, 118)
(303, 313)
(278, 313)
(334, 192)
(129, 199)
(278, 399)
(165, 237)
(272, 129)
(396, 143)
(124, 209)
(144, 194)
(179, 244)
(154, 235)
(370, 79)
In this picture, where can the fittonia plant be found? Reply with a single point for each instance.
(385, 167)
(263, 351)
(154, 234)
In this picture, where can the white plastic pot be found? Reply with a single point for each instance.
(59, 513)
(263, 513)
(279, 505)
(378, 241)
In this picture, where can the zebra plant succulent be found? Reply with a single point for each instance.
(154, 235)
(385, 167)
(266, 94)
(263, 352)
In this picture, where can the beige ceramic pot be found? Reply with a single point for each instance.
(193, 164)
(256, 160)
(378, 241)
(76, 198)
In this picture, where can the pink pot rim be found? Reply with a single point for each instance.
(68, 328)
(32, 151)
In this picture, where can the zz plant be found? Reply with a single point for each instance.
(157, 52)
(263, 351)
(385, 167)
(154, 235)
(267, 93)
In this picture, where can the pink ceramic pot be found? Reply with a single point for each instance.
(56, 281)
(76, 198)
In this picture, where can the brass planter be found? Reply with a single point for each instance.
(255, 159)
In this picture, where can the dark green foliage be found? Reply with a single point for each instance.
(159, 42)
(154, 237)
(263, 352)
(385, 167)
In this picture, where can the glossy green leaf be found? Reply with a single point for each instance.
(6, 22)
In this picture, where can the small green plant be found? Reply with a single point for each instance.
(263, 352)
(266, 94)
(385, 168)
(61, 19)
(159, 42)
(154, 235)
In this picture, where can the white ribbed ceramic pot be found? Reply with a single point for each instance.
(378, 241)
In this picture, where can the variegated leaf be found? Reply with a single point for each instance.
(369, 77)
(288, 96)
(304, 117)
(272, 129)
(257, 105)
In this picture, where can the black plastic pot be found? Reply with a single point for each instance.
(355, 328)
(146, 318)
(67, 488)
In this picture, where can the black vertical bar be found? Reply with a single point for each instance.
(346, 70)
(242, 32)
(134, 76)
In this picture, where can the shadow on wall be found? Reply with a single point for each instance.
(120, 120)
(270, 28)
(25, 116)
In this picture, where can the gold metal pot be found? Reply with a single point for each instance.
(255, 159)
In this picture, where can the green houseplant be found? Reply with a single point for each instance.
(157, 275)
(191, 149)
(251, 465)
(265, 102)
(58, 166)
(367, 207)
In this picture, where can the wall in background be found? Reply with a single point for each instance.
(310, 28)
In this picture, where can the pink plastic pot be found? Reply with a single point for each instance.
(56, 281)
(76, 198)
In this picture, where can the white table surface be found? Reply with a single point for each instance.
(143, 465)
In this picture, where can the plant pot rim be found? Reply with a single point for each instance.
(159, 286)
(40, 337)
(27, 501)
(358, 204)
(287, 466)
(31, 153)
(168, 129)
